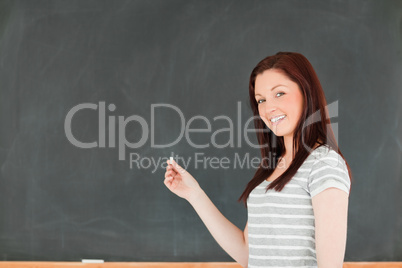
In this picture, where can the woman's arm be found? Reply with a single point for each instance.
(228, 236)
(330, 212)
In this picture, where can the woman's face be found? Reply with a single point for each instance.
(277, 95)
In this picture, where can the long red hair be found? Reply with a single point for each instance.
(297, 68)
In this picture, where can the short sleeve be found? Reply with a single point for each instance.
(328, 171)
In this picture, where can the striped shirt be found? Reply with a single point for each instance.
(281, 229)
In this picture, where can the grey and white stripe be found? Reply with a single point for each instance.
(281, 229)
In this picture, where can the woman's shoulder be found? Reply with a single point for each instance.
(321, 161)
(327, 170)
(327, 156)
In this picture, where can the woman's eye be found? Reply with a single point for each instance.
(279, 93)
(259, 101)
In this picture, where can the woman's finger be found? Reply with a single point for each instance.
(170, 173)
(168, 181)
(171, 183)
(176, 167)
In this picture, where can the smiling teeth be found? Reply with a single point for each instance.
(276, 119)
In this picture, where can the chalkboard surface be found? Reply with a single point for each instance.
(95, 96)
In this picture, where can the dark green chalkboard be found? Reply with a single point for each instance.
(120, 59)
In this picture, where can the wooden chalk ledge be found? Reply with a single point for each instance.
(10, 264)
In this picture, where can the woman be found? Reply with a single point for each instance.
(297, 208)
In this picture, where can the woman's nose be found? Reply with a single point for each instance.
(269, 110)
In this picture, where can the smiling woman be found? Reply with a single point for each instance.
(280, 103)
(292, 221)
(297, 207)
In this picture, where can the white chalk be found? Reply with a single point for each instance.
(171, 160)
(92, 261)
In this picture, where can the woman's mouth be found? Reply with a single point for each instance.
(277, 120)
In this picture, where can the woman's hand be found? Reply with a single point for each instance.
(180, 182)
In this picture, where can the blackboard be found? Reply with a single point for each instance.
(141, 72)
